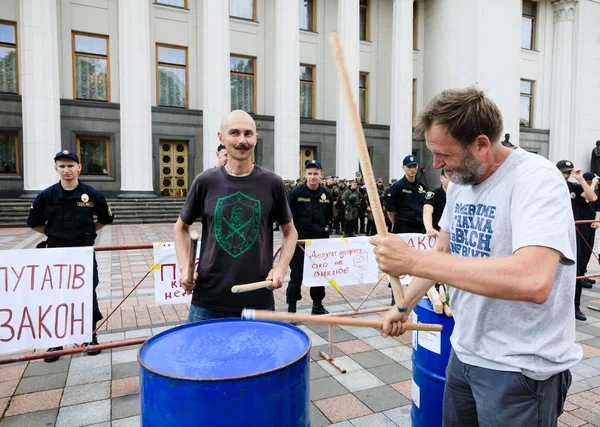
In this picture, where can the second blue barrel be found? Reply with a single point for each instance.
(227, 372)
(429, 359)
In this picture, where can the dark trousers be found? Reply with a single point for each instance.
(293, 292)
(402, 226)
(475, 396)
(587, 245)
(585, 241)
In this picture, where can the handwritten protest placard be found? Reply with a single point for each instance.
(348, 261)
(166, 278)
(421, 242)
(45, 297)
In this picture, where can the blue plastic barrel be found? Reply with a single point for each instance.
(429, 359)
(226, 372)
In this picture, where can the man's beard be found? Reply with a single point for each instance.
(469, 173)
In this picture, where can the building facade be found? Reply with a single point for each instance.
(138, 87)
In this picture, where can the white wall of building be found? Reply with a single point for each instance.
(585, 113)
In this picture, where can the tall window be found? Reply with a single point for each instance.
(91, 76)
(179, 3)
(9, 79)
(528, 24)
(9, 154)
(526, 118)
(307, 14)
(245, 9)
(307, 90)
(364, 19)
(94, 154)
(243, 83)
(415, 25)
(171, 76)
(363, 97)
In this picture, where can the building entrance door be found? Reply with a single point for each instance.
(173, 168)
(306, 153)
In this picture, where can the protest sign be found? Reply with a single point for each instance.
(350, 261)
(167, 289)
(347, 261)
(421, 242)
(45, 297)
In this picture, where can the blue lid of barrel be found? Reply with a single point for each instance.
(224, 348)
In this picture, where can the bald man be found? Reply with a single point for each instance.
(237, 204)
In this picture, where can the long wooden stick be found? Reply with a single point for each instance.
(237, 289)
(436, 302)
(192, 260)
(363, 153)
(250, 314)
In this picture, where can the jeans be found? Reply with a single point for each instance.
(475, 396)
(198, 314)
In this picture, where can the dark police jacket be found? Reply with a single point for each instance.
(312, 211)
(69, 215)
(406, 199)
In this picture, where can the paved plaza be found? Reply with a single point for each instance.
(375, 391)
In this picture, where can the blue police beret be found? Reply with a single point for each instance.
(312, 164)
(66, 154)
(588, 176)
(410, 160)
(220, 147)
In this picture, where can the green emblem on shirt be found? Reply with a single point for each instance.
(237, 223)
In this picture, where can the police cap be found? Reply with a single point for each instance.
(410, 160)
(565, 165)
(312, 164)
(66, 154)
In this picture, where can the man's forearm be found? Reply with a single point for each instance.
(182, 243)
(98, 226)
(288, 245)
(519, 278)
(392, 217)
(40, 229)
(428, 217)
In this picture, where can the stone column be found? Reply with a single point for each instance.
(346, 155)
(287, 90)
(402, 75)
(135, 99)
(561, 141)
(216, 101)
(39, 86)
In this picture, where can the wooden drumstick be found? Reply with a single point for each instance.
(192, 259)
(237, 289)
(363, 153)
(250, 314)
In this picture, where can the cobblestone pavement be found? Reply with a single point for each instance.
(103, 390)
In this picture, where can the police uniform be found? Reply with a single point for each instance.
(69, 219)
(352, 201)
(437, 200)
(312, 211)
(406, 199)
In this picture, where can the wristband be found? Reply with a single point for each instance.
(402, 310)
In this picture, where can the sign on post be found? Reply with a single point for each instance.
(45, 297)
(167, 289)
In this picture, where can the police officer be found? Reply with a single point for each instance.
(312, 210)
(435, 202)
(64, 212)
(405, 199)
(580, 192)
(339, 207)
(352, 199)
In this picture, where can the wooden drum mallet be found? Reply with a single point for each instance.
(365, 162)
(250, 314)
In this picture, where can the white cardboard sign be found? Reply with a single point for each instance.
(167, 289)
(350, 261)
(45, 297)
